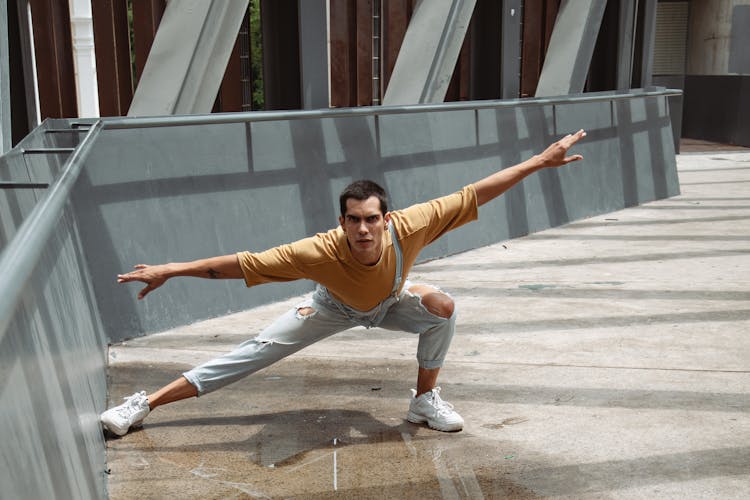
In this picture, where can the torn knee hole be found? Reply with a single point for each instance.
(305, 312)
(438, 304)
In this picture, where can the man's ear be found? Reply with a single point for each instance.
(387, 217)
(341, 222)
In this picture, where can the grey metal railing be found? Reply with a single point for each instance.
(258, 116)
(19, 258)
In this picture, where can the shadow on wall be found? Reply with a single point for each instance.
(175, 193)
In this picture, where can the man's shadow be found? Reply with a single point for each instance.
(286, 437)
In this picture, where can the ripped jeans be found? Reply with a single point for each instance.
(295, 330)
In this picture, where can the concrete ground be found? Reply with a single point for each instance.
(609, 358)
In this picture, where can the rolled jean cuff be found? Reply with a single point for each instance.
(431, 364)
(194, 382)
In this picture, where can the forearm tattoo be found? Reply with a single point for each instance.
(213, 274)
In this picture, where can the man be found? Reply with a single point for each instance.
(361, 268)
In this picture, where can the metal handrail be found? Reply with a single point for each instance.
(19, 258)
(261, 116)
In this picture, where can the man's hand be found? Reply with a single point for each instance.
(223, 267)
(554, 155)
(153, 276)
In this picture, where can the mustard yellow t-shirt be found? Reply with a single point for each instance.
(326, 259)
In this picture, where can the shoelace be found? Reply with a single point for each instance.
(132, 404)
(443, 407)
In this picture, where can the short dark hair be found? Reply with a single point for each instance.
(362, 190)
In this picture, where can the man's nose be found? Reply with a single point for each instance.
(362, 228)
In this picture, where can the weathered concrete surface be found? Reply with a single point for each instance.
(609, 358)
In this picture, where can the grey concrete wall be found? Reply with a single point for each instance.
(161, 194)
(52, 357)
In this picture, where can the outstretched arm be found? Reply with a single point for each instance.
(555, 155)
(224, 267)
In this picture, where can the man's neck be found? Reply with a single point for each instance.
(368, 258)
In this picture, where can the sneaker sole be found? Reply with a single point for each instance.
(418, 419)
(118, 431)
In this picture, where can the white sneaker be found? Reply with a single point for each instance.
(129, 414)
(438, 414)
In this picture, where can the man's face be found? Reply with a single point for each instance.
(364, 226)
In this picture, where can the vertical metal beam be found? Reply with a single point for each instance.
(510, 48)
(5, 122)
(112, 41)
(363, 43)
(486, 48)
(53, 48)
(313, 43)
(231, 90)
(146, 18)
(281, 70)
(187, 60)
(396, 15)
(340, 34)
(429, 52)
(571, 46)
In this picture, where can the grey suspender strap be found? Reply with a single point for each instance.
(399, 260)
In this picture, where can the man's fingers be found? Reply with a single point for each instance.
(144, 292)
(571, 139)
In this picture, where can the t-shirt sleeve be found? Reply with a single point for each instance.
(275, 264)
(434, 218)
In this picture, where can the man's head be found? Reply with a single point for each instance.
(361, 190)
(364, 218)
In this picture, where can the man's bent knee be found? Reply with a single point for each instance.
(436, 302)
(305, 312)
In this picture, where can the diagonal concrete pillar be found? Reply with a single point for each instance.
(428, 55)
(571, 45)
(186, 64)
(625, 44)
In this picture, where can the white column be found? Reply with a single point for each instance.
(428, 55)
(84, 58)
